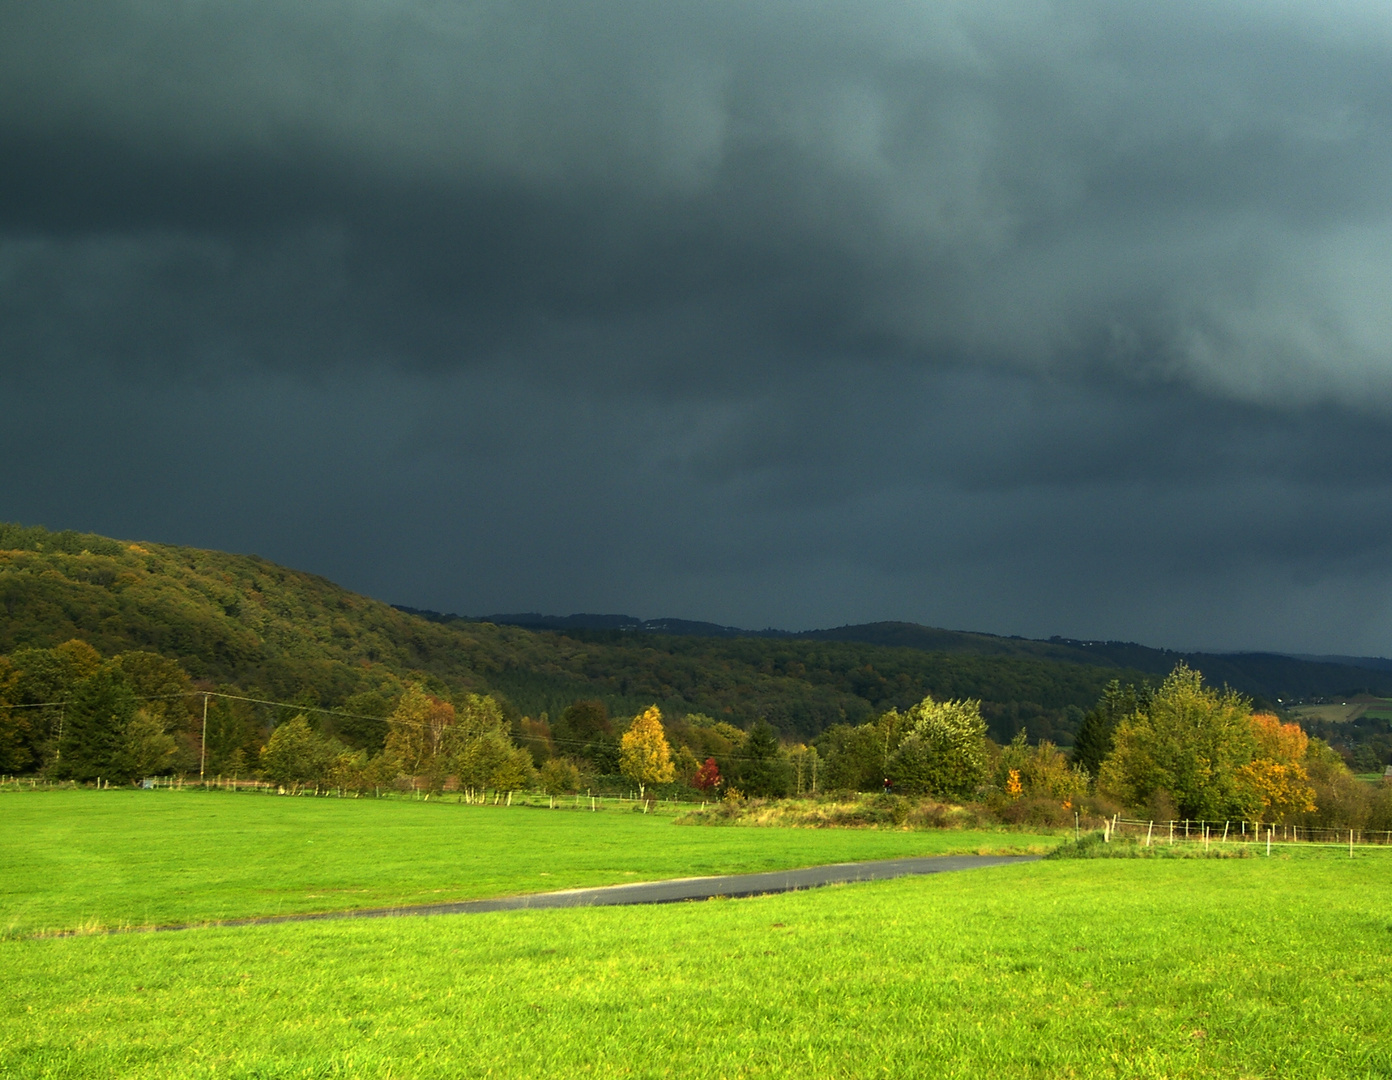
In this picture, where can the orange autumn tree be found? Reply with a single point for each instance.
(644, 756)
(1275, 775)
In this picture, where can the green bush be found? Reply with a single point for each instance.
(559, 777)
(1040, 810)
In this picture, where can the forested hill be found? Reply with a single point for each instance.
(1269, 676)
(241, 621)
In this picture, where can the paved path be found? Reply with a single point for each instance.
(667, 892)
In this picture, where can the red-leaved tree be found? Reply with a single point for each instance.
(707, 776)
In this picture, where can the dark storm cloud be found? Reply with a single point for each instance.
(1065, 317)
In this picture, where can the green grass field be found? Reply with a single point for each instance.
(1241, 968)
(1256, 967)
(93, 859)
(1342, 711)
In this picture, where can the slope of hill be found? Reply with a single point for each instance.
(239, 620)
(242, 621)
(226, 618)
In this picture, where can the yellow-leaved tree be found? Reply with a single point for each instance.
(1276, 774)
(644, 756)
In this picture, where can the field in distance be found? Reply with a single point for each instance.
(1343, 711)
(1252, 967)
(84, 859)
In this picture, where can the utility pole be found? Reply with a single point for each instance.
(203, 743)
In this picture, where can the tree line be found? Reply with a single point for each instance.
(1181, 749)
(240, 621)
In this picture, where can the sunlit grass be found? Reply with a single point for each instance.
(1242, 968)
(89, 859)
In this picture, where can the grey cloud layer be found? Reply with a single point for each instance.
(1192, 192)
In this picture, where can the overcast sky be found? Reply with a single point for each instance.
(1039, 318)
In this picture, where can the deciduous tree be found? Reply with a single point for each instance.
(491, 761)
(536, 737)
(49, 675)
(644, 756)
(161, 685)
(579, 724)
(853, 757)
(707, 777)
(15, 729)
(421, 736)
(1276, 775)
(1041, 771)
(559, 777)
(944, 753)
(147, 749)
(1187, 743)
(296, 755)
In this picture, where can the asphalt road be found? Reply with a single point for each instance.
(673, 891)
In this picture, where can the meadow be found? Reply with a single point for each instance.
(1235, 968)
(1253, 967)
(86, 859)
(1344, 711)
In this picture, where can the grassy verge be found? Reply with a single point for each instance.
(1238, 968)
(856, 812)
(95, 859)
(1094, 846)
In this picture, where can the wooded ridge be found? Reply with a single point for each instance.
(240, 621)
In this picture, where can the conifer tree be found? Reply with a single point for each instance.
(94, 727)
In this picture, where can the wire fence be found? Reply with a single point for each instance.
(1150, 833)
(591, 801)
(1209, 833)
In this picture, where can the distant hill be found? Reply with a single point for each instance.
(1376, 663)
(1271, 676)
(242, 621)
(681, 627)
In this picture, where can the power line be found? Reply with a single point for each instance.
(303, 708)
(69, 701)
(300, 707)
(217, 694)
